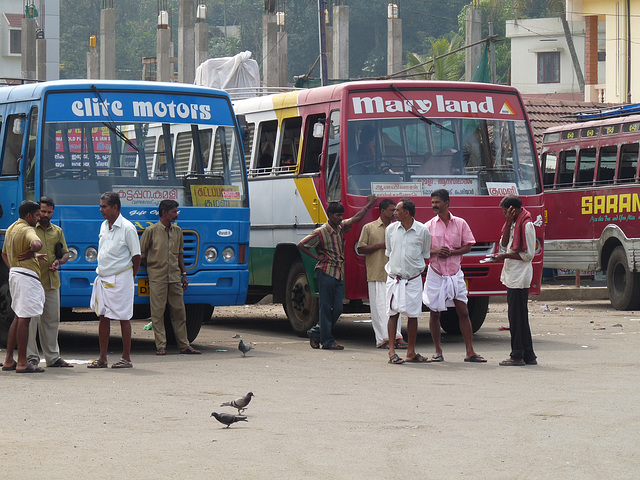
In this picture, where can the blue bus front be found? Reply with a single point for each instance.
(149, 142)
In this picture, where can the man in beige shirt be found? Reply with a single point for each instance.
(371, 244)
(162, 248)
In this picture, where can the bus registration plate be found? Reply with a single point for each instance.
(143, 287)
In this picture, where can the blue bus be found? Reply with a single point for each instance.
(148, 141)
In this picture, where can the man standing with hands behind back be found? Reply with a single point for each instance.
(162, 249)
(113, 288)
(47, 325)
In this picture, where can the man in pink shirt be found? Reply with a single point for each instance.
(444, 287)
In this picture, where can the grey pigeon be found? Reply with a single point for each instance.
(240, 403)
(244, 348)
(227, 418)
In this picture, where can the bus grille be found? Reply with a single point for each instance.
(190, 248)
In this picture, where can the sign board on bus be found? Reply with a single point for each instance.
(435, 104)
(456, 184)
(216, 196)
(141, 107)
(148, 196)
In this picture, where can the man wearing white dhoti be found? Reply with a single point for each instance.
(19, 253)
(113, 289)
(407, 244)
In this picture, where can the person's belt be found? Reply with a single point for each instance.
(27, 274)
(397, 278)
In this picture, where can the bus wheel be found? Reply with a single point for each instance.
(6, 314)
(478, 308)
(197, 314)
(623, 284)
(300, 306)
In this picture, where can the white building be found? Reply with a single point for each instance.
(11, 14)
(540, 59)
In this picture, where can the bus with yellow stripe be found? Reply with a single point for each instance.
(306, 148)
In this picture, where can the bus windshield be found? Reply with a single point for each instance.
(417, 155)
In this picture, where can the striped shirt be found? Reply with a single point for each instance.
(330, 243)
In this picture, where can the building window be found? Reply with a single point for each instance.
(15, 40)
(549, 67)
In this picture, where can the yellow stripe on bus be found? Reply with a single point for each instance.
(286, 105)
(309, 196)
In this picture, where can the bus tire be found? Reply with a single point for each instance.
(197, 314)
(623, 285)
(478, 308)
(6, 314)
(300, 306)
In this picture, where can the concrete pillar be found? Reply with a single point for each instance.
(93, 63)
(28, 48)
(108, 43)
(591, 50)
(394, 45)
(41, 59)
(186, 41)
(202, 43)
(473, 33)
(283, 59)
(328, 35)
(269, 50)
(341, 42)
(163, 62)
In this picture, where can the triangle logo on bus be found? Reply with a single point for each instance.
(507, 109)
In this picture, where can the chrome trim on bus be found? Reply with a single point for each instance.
(286, 226)
(488, 292)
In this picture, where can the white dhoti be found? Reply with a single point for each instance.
(379, 316)
(441, 290)
(27, 294)
(112, 296)
(403, 296)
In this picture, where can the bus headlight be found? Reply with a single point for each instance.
(73, 254)
(91, 254)
(211, 254)
(228, 254)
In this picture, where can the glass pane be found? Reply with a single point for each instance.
(586, 166)
(628, 163)
(607, 167)
(566, 168)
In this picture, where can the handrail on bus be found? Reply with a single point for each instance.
(241, 93)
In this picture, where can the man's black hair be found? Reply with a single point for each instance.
(442, 193)
(27, 207)
(335, 207)
(409, 206)
(166, 205)
(511, 201)
(47, 201)
(112, 198)
(385, 203)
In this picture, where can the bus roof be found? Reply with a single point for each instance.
(32, 91)
(593, 124)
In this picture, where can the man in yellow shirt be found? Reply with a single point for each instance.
(19, 253)
(55, 248)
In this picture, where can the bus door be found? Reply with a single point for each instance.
(332, 159)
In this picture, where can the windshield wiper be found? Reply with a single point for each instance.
(111, 126)
(418, 114)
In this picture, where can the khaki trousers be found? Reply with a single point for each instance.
(160, 295)
(46, 325)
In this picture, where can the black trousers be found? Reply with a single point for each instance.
(521, 342)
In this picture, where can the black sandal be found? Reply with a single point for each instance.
(395, 359)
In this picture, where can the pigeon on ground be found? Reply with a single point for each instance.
(240, 403)
(227, 418)
(244, 348)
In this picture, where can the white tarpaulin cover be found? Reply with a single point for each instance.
(239, 71)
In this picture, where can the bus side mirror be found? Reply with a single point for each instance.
(318, 130)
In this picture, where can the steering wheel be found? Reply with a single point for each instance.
(380, 167)
(66, 173)
(383, 167)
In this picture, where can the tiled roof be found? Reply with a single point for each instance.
(14, 19)
(545, 113)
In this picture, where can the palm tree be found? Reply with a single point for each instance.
(446, 61)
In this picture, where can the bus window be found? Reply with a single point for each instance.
(247, 142)
(607, 166)
(266, 144)
(628, 163)
(566, 168)
(549, 161)
(13, 144)
(332, 167)
(312, 148)
(30, 162)
(150, 150)
(586, 166)
(290, 142)
(183, 152)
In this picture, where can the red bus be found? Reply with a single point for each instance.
(302, 150)
(591, 182)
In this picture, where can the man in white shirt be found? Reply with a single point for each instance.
(113, 288)
(517, 247)
(407, 244)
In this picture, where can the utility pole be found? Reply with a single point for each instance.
(323, 43)
(492, 54)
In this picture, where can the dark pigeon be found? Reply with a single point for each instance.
(227, 418)
(240, 403)
(244, 348)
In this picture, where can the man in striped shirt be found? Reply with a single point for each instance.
(328, 243)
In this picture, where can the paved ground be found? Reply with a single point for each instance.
(345, 415)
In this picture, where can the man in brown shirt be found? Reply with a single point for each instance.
(27, 295)
(371, 244)
(162, 248)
